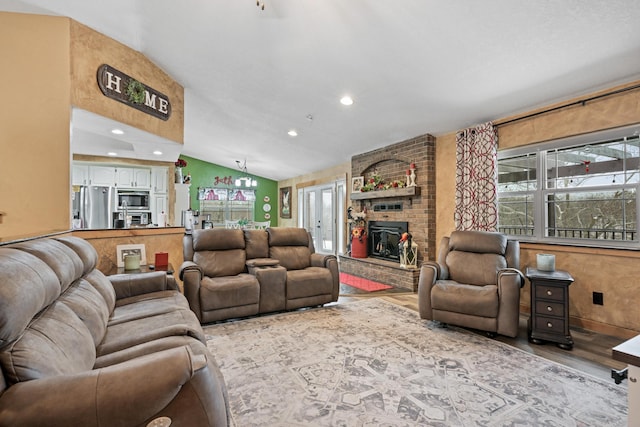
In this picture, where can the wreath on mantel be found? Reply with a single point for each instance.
(135, 91)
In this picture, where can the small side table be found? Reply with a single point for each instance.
(629, 352)
(549, 319)
(149, 268)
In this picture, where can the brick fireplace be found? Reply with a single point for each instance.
(414, 206)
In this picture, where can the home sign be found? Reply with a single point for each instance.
(117, 85)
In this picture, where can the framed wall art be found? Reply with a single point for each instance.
(357, 182)
(285, 202)
(123, 250)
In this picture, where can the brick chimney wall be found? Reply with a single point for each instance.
(391, 163)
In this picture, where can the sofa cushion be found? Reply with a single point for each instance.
(257, 243)
(102, 284)
(217, 239)
(311, 281)
(291, 257)
(222, 262)
(149, 347)
(448, 295)
(177, 322)
(87, 303)
(19, 303)
(146, 305)
(478, 241)
(56, 343)
(474, 268)
(233, 291)
(84, 250)
(288, 236)
(61, 259)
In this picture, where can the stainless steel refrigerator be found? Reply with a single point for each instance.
(94, 205)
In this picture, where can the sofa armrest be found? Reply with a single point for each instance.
(330, 262)
(510, 280)
(167, 383)
(262, 262)
(430, 271)
(190, 266)
(191, 275)
(129, 285)
(320, 260)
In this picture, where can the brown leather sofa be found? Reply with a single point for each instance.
(230, 273)
(78, 348)
(475, 283)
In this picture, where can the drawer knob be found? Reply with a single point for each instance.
(549, 292)
(549, 325)
(549, 308)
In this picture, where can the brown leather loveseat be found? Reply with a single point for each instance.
(231, 273)
(78, 348)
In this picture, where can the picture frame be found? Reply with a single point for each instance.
(357, 182)
(285, 202)
(122, 250)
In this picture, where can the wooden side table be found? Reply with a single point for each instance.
(549, 319)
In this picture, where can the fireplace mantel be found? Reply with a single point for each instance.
(381, 194)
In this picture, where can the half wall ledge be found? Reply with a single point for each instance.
(387, 272)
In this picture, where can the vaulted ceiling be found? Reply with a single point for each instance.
(412, 67)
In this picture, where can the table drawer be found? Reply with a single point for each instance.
(549, 308)
(550, 292)
(550, 324)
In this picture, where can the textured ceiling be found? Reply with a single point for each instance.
(412, 67)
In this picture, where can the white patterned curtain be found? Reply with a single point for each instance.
(477, 178)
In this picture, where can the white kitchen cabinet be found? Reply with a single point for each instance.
(158, 205)
(183, 201)
(102, 175)
(133, 178)
(80, 175)
(160, 180)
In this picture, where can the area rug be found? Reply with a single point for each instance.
(362, 283)
(374, 363)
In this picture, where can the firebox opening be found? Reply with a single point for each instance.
(384, 238)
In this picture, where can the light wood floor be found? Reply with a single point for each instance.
(591, 351)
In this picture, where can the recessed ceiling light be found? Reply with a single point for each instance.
(292, 132)
(112, 153)
(158, 153)
(117, 131)
(346, 100)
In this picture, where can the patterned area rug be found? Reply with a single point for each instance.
(374, 363)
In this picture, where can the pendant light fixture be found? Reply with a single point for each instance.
(246, 180)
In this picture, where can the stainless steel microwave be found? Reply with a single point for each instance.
(133, 200)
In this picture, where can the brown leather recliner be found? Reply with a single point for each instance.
(312, 278)
(475, 283)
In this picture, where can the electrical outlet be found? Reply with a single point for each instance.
(598, 298)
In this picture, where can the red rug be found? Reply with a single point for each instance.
(361, 283)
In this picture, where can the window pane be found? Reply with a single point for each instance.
(602, 164)
(602, 215)
(517, 173)
(515, 215)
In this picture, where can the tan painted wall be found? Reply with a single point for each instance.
(34, 125)
(341, 171)
(89, 50)
(612, 272)
(49, 64)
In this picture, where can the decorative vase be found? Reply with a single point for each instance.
(178, 175)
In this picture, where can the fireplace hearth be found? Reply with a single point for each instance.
(384, 238)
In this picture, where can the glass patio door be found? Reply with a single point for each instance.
(319, 217)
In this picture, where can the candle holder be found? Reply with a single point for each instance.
(546, 262)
